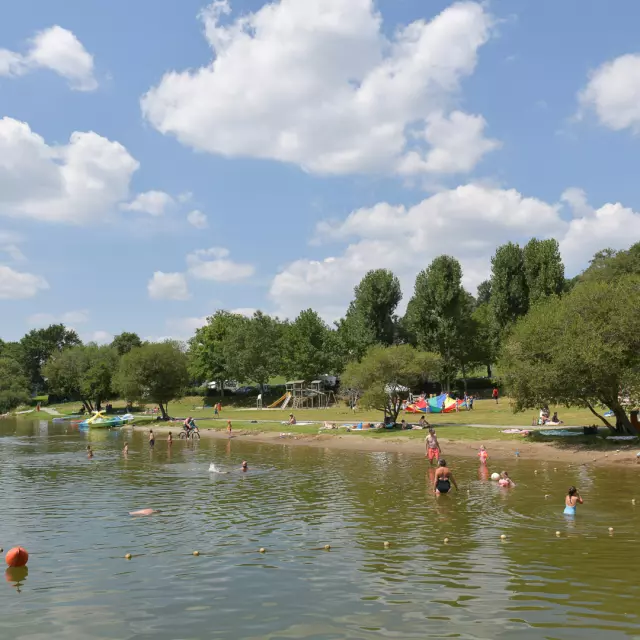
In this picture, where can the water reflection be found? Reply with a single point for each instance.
(72, 516)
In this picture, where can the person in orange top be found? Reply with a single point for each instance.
(483, 455)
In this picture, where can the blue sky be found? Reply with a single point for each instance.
(328, 137)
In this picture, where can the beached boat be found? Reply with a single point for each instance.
(100, 421)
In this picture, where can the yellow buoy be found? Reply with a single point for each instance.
(327, 547)
(633, 501)
(196, 553)
(446, 540)
(386, 544)
(127, 556)
(503, 537)
(262, 550)
(536, 472)
(546, 495)
(558, 533)
(610, 529)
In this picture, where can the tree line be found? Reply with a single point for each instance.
(549, 337)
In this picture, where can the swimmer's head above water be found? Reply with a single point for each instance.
(245, 466)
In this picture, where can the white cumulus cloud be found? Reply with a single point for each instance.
(317, 83)
(154, 203)
(468, 222)
(197, 219)
(613, 92)
(214, 264)
(168, 286)
(58, 50)
(457, 144)
(16, 285)
(73, 183)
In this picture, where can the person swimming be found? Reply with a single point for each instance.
(506, 481)
(143, 512)
(245, 466)
(443, 478)
(572, 499)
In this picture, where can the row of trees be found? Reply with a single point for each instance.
(445, 326)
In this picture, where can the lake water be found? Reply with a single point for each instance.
(71, 514)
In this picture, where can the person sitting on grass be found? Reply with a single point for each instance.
(422, 423)
(555, 419)
(292, 419)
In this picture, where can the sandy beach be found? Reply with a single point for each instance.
(498, 449)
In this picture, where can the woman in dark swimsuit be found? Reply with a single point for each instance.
(443, 479)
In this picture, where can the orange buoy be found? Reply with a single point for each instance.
(17, 557)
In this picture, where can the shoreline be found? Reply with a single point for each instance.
(498, 449)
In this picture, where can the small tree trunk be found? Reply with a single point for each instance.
(163, 410)
(488, 371)
(600, 417)
(623, 423)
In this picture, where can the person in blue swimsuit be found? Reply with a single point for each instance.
(573, 498)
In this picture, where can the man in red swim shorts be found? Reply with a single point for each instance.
(433, 447)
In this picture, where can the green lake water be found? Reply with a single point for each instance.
(71, 514)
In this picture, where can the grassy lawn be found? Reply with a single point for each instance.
(485, 412)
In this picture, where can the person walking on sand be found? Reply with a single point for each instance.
(432, 446)
(229, 428)
(152, 439)
(443, 478)
(572, 499)
(494, 394)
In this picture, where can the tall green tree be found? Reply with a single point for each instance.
(509, 290)
(310, 348)
(484, 293)
(544, 270)
(608, 264)
(370, 318)
(440, 315)
(40, 344)
(124, 342)
(155, 372)
(253, 349)
(14, 385)
(83, 372)
(579, 350)
(384, 371)
(207, 359)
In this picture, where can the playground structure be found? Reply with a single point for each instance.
(299, 396)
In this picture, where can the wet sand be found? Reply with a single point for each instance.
(498, 449)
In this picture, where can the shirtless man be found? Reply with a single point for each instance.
(432, 446)
(443, 479)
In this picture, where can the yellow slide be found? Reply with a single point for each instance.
(279, 401)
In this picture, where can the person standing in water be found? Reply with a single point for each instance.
(572, 499)
(152, 439)
(89, 452)
(483, 455)
(125, 451)
(229, 428)
(432, 446)
(443, 478)
(245, 466)
(169, 439)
